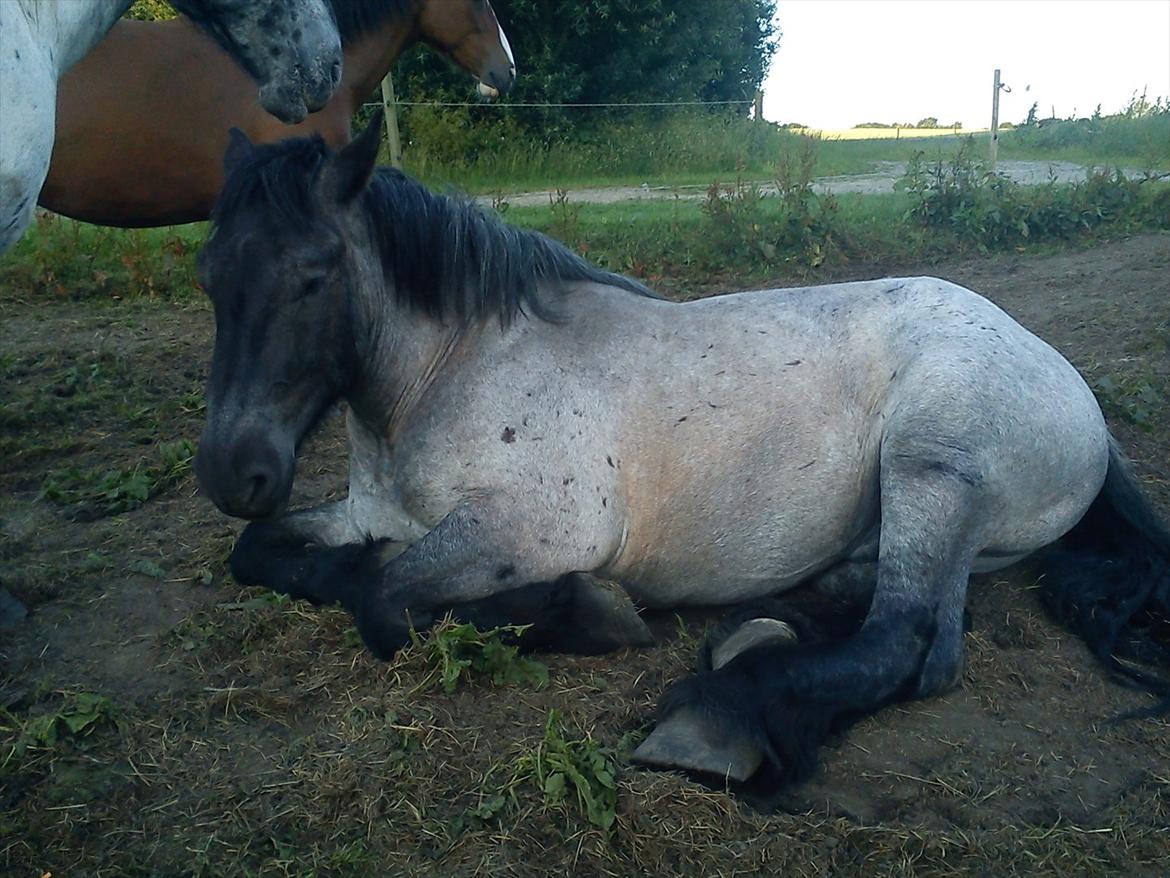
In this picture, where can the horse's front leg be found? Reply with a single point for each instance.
(477, 551)
(307, 554)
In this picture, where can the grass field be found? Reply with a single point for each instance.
(498, 155)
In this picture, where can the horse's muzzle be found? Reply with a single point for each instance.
(247, 478)
(309, 80)
(497, 81)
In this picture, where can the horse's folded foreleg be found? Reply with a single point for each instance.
(314, 554)
(481, 549)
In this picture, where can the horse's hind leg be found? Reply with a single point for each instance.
(780, 701)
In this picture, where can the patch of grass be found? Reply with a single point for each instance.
(1137, 137)
(56, 387)
(452, 653)
(1133, 398)
(963, 198)
(102, 263)
(96, 493)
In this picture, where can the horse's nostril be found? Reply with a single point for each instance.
(335, 72)
(259, 485)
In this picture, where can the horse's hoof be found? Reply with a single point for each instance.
(754, 632)
(605, 610)
(690, 741)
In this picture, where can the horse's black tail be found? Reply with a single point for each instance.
(1109, 580)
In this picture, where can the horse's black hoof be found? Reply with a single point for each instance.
(752, 633)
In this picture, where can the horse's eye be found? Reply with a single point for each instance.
(315, 285)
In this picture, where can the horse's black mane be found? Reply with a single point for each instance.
(443, 255)
(356, 18)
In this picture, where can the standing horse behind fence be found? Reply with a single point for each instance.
(521, 422)
(290, 47)
(137, 145)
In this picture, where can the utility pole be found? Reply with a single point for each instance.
(999, 86)
(390, 105)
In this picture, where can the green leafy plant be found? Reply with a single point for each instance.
(459, 652)
(569, 770)
(796, 225)
(79, 716)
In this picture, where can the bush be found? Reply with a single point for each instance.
(962, 196)
(801, 227)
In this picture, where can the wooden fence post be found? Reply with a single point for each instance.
(390, 105)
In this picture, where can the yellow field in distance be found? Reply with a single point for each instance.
(887, 133)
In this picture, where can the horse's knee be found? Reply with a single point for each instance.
(262, 548)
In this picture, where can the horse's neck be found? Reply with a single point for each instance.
(68, 29)
(401, 350)
(369, 59)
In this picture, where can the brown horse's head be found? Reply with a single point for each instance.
(469, 33)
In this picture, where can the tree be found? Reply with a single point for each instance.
(928, 122)
(151, 10)
(603, 51)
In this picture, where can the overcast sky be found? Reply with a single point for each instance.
(843, 62)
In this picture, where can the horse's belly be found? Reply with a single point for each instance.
(760, 542)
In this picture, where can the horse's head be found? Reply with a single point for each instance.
(290, 47)
(278, 271)
(469, 33)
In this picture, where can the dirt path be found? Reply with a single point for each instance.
(245, 736)
(881, 180)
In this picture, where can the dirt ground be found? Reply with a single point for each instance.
(243, 736)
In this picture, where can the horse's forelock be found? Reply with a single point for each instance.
(276, 177)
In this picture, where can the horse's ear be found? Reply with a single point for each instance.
(349, 169)
(239, 150)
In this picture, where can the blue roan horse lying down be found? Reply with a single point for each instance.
(523, 425)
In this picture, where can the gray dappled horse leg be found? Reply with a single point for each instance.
(774, 704)
(577, 613)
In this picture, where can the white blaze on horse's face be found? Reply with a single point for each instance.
(488, 91)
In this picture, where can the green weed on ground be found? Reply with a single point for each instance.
(95, 493)
(78, 716)
(572, 775)
(452, 653)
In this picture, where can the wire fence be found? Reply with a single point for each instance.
(553, 106)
